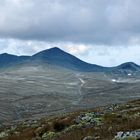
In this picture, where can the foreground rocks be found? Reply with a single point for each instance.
(133, 135)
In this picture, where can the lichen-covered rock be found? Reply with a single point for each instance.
(91, 118)
(133, 135)
(89, 138)
(3, 134)
(48, 135)
(126, 138)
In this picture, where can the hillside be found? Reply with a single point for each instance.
(112, 122)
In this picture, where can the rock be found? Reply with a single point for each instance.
(17, 133)
(38, 131)
(89, 138)
(92, 118)
(133, 134)
(13, 128)
(34, 125)
(3, 134)
(48, 135)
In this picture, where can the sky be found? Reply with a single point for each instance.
(103, 32)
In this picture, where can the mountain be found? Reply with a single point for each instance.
(58, 57)
(128, 67)
(7, 60)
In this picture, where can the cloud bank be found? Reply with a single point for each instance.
(96, 21)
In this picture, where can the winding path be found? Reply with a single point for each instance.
(82, 82)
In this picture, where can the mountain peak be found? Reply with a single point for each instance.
(129, 66)
(55, 48)
(56, 56)
(50, 52)
(6, 54)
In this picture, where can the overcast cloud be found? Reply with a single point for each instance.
(93, 30)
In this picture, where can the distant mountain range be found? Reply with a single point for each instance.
(58, 57)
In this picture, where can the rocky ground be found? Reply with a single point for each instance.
(112, 122)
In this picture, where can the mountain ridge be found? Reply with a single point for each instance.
(56, 56)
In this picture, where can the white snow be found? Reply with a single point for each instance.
(129, 74)
(114, 80)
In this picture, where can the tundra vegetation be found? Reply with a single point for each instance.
(111, 122)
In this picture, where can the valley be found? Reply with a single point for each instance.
(29, 92)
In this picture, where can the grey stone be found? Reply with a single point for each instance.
(89, 138)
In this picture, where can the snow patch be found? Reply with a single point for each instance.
(114, 80)
(129, 74)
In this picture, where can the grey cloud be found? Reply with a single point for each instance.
(92, 21)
